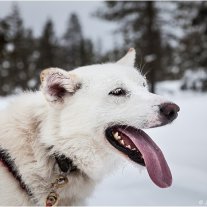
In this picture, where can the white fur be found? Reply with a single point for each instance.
(74, 124)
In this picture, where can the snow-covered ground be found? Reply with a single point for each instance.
(184, 144)
(3, 103)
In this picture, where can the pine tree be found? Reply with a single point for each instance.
(140, 27)
(73, 42)
(22, 56)
(4, 73)
(192, 45)
(15, 54)
(200, 24)
(47, 45)
(78, 51)
(192, 50)
(87, 52)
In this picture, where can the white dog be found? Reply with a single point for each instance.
(56, 144)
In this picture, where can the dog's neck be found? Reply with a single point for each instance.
(64, 163)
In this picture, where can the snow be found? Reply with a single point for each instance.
(184, 144)
(195, 79)
(3, 103)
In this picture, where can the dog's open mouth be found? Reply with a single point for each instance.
(140, 148)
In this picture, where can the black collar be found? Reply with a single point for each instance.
(65, 164)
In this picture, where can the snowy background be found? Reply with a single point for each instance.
(184, 144)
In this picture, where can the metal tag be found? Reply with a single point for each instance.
(52, 199)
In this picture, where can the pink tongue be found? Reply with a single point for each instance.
(155, 162)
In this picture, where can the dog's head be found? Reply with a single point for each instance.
(96, 113)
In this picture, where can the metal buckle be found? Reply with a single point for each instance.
(53, 197)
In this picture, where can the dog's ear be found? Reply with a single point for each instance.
(57, 83)
(129, 58)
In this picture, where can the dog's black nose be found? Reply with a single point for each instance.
(169, 111)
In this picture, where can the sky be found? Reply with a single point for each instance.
(35, 14)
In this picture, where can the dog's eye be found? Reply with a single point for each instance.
(118, 92)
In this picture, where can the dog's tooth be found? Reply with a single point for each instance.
(116, 136)
(122, 141)
(134, 149)
(114, 133)
(128, 146)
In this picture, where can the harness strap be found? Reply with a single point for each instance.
(9, 163)
(65, 165)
